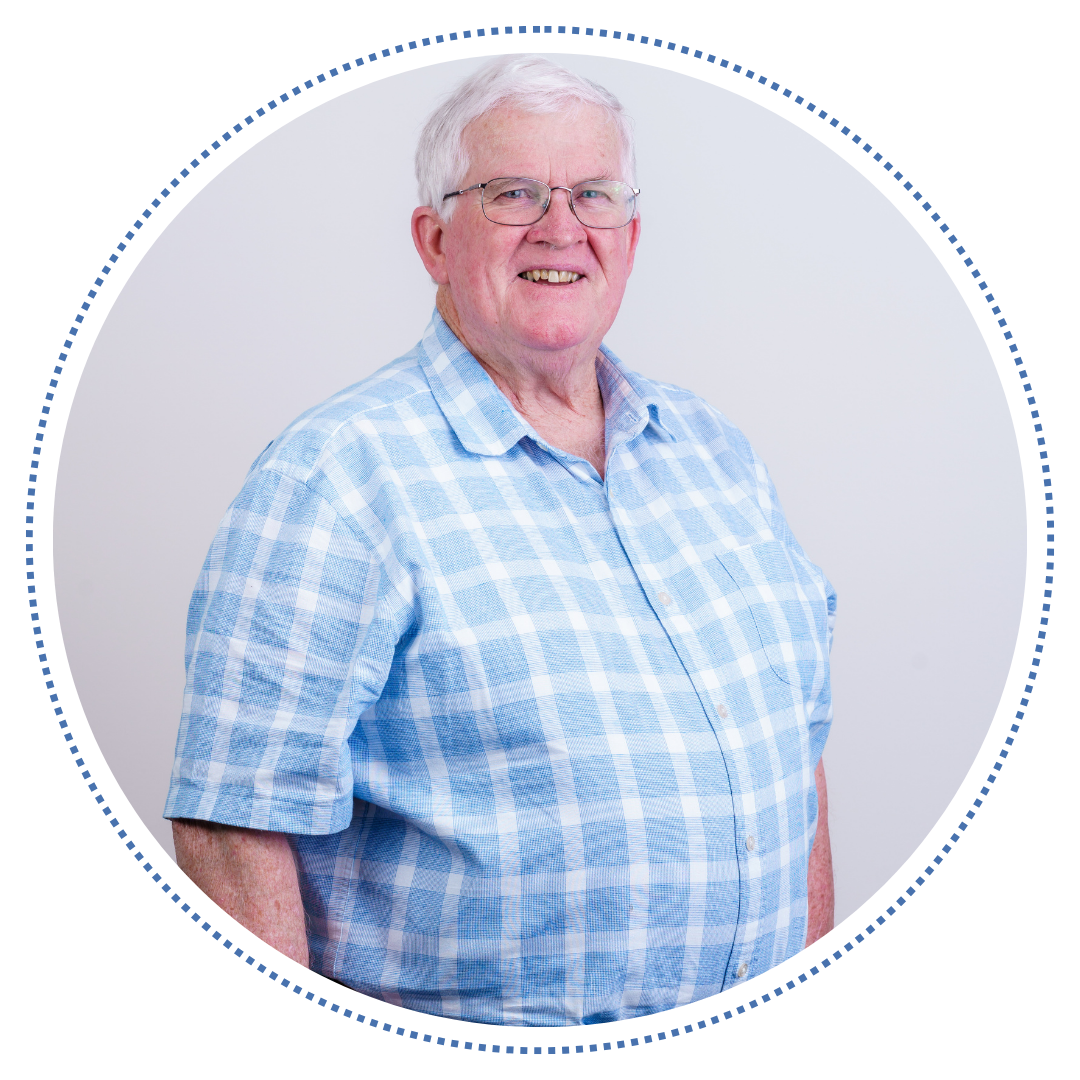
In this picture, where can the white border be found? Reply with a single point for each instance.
(977, 914)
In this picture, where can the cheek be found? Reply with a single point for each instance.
(468, 282)
(474, 272)
(616, 272)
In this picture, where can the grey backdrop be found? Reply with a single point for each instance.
(798, 301)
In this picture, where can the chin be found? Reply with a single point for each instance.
(555, 330)
(552, 339)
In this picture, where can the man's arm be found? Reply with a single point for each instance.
(819, 877)
(252, 875)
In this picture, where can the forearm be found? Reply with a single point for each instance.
(819, 878)
(252, 875)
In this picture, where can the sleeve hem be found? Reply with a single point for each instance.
(228, 804)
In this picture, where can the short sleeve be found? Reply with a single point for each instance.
(285, 649)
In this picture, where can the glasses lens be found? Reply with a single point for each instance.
(604, 204)
(512, 200)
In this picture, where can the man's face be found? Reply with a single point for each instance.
(483, 265)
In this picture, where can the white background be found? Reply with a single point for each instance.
(104, 102)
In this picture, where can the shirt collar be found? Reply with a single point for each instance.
(483, 420)
(631, 403)
(486, 423)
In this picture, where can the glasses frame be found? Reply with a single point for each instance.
(547, 201)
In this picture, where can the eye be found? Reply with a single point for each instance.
(594, 194)
(520, 191)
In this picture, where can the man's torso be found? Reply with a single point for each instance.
(545, 743)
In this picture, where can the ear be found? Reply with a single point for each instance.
(429, 236)
(634, 229)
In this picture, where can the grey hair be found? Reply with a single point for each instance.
(527, 83)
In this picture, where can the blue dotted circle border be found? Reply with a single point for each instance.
(559, 1047)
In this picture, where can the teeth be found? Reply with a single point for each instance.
(561, 277)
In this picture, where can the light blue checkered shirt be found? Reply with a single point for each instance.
(545, 743)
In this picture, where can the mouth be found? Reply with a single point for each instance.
(552, 277)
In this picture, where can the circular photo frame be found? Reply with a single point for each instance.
(949, 416)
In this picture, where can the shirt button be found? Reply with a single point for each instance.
(742, 970)
(722, 711)
(664, 598)
(751, 843)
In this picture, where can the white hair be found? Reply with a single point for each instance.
(528, 83)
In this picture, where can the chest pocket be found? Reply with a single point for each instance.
(785, 601)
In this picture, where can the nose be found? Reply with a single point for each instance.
(559, 226)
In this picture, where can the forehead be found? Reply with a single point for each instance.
(578, 139)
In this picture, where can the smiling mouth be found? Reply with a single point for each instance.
(554, 277)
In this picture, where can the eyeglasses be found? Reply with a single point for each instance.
(516, 200)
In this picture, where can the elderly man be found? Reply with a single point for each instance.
(507, 681)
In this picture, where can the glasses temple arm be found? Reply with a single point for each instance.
(450, 194)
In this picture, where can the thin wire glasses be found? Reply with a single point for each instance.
(516, 200)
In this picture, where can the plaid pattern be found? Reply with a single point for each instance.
(545, 745)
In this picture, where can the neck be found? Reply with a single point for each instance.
(556, 392)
